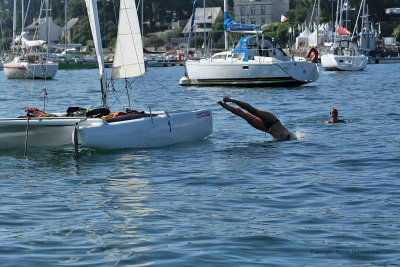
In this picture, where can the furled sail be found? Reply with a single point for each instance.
(233, 26)
(128, 60)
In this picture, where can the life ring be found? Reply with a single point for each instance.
(314, 52)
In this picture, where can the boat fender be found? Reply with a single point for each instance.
(75, 140)
(169, 121)
(314, 52)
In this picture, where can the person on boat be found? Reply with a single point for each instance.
(334, 116)
(259, 119)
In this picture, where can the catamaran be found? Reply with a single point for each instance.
(102, 129)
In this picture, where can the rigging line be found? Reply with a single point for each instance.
(26, 13)
(117, 97)
(127, 87)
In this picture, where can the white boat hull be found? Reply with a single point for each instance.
(146, 132)
(345, 63)
(260, 71)
(24, 70)
(47, 131)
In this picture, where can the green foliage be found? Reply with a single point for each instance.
(197, 41)
(82, 32)
(396, 32)
(174, 33)
(279, 31)
(297, 15)
(154, 41)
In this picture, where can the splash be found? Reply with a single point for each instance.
(301, 133)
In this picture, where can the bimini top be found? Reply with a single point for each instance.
(256, 45)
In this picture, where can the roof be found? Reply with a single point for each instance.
(71, 23)
(212, 14)
(37, 22)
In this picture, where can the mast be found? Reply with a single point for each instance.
(47, 26)
(22, 17)
(318, 15)
(347, 14)
(204, 26)
(14, 25)
(341, 14)
(225, 17)
(91, 6)
(141, 18)
(66, 30)
(191, 27)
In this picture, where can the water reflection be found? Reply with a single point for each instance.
(126, 210)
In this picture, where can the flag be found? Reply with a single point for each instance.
(379, 31)
(290, 29)
(298, 27)
(283, 18)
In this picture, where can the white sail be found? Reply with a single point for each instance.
(128, 60)
(91, 6)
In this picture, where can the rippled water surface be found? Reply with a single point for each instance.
(330, 198)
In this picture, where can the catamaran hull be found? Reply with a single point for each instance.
(30, 70)
(345, 63)
(251, 73)
(50, 131)
(157, 131)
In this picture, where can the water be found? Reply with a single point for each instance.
(330, 198)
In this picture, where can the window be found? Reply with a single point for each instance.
(242, 10)
(243, 21)
(253, 21)
(262, 10)
(262, 21)
(253, 10)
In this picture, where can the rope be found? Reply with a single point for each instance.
(45, 98)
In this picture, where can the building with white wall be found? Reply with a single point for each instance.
(259, 12)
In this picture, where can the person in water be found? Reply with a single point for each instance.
(259, 119)
(334, 116)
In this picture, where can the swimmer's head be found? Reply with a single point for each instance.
(334, 112)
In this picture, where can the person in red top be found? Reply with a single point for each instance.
(260, 119)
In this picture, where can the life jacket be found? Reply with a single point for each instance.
(33, 112)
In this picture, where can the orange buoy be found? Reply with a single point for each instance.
(314, 52)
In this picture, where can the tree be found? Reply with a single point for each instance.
(279, 31)
(154, 41)
(396, 32)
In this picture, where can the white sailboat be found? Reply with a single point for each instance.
(344, 54)
(256, 60)
(132, 130)
(33, 65)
